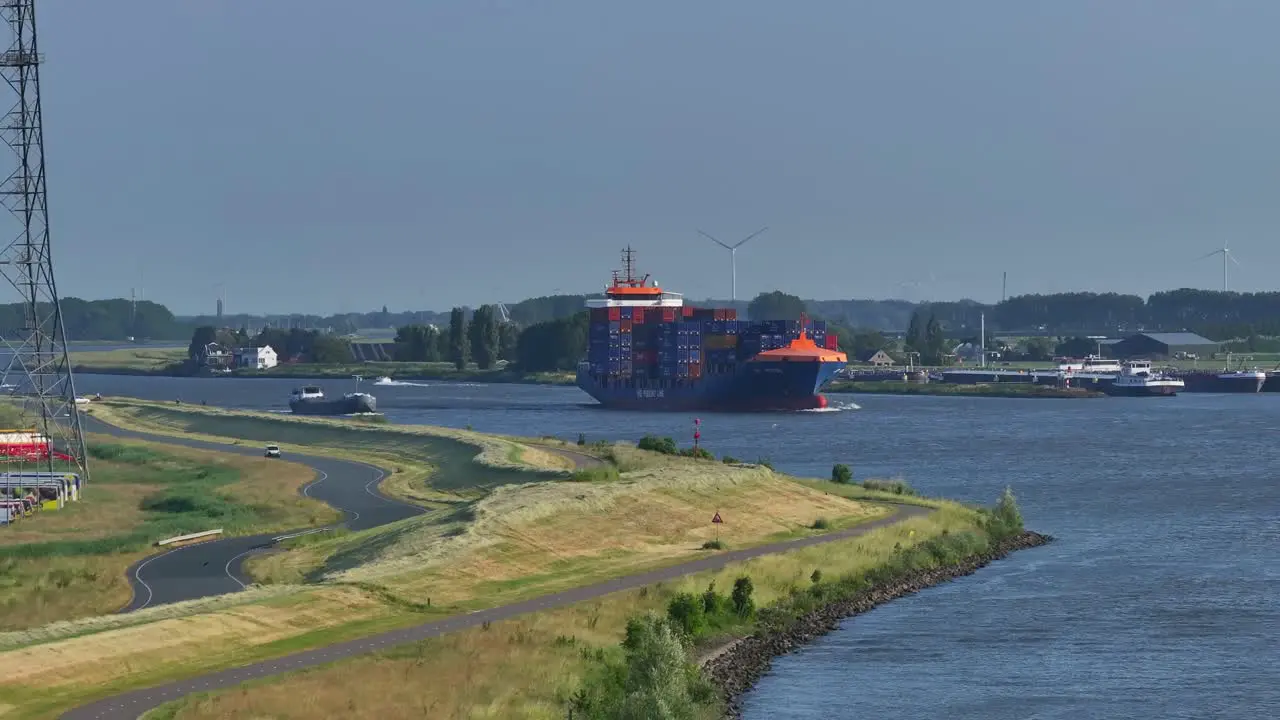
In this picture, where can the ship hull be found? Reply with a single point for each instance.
(1121, 390)
(1215, 383)
(342, 406)
(754, 386)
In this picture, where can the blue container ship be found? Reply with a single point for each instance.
(647, 350)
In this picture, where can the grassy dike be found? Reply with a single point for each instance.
(996, 390)
(171, 362)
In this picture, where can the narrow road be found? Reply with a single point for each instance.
(130, 705)
(213, 568)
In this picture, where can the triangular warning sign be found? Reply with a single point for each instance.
(717, 519)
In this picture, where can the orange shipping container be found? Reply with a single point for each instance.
(625, 326)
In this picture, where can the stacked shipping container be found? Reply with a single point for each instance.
(684, 343)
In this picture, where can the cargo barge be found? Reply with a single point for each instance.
(647, 350)
(1237, 381)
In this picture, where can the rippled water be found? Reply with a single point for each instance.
(1160, 599)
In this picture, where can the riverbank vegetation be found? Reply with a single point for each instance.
(1000, 390)
(70, 562)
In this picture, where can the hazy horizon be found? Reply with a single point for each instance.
(425, 155)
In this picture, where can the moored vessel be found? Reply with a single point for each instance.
(1235, 381)
(1138, 379)
(311, 400)
(649, 351)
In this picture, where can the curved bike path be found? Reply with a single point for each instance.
(129, 705)
(214, 568)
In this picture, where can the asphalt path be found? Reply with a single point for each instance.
(129, 705)
(214, 568)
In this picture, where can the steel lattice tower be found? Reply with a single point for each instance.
(38, 370)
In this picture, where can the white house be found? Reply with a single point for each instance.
(260, 358)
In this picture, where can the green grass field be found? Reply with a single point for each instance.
(70, 562)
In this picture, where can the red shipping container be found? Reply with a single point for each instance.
(615, 313)
(637, 316)
(625, 326)
(832, 342)
(688, 311)
(668, 314)
(730, 314)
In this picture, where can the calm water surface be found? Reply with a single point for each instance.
(1160, 599)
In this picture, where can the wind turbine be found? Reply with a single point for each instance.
(733, 255)
(1226, 255)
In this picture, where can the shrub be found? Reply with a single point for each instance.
(697, 453)
(653, 680)
(713, 603)
(652, 443)
(765, 462)
(743, 605)
(582, 439)
(821, 524)
(897, 487)
(841, 473)
(816, 577)
(713, 545)
(730, 460)
(686, 612)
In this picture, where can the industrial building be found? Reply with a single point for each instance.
(1162, 346)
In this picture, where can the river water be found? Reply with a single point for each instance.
(1160, 598)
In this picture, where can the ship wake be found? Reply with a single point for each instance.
(388, 382)
(835, 407)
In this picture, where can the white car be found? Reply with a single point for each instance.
(273, 451)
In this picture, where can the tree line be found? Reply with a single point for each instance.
(483, 339)
(101, 320)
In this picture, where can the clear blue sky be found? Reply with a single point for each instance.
(331, 156)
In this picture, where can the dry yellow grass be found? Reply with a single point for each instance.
(549, 536)
(528, 666)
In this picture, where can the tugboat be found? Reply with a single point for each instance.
(310, 400)
(1137, 379)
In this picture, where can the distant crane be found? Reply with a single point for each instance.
(733, 255)
(503, 314)
(1226, 255)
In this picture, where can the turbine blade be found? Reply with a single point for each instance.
(712, 239)
(1209, 255)
(1233, 258)
(744, 240)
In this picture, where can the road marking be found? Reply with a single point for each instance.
(227, 568)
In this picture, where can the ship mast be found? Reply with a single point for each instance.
(629, 271)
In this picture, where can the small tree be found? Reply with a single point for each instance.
(459, 347)
(712, 601)
(841, 473)
(743, 605)
(582, 439)
(1005, 519)
(816, 577)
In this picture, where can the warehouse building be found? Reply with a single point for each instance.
(1162, 346)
